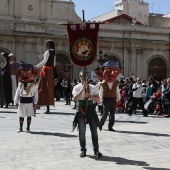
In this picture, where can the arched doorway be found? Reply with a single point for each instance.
(158, 68)
(63, 66)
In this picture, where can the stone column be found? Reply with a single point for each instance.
(139, 63)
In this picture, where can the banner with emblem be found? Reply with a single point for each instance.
(83, 43)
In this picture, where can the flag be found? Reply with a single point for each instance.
(83, 43)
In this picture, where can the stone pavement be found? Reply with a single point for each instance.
(138, 143)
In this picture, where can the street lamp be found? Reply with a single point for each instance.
(102, 58)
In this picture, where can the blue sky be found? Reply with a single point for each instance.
(95, 8)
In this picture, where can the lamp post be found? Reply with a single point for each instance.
(102, 58)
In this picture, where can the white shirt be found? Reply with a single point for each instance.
(110, 84)
(46, 55)
(26, 109)
(97, 86)
(78, 87)
(138, 93)
(33, 92)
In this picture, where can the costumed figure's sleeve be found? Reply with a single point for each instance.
(55, 60)
(94, 91)
(42, 63)
(118, 93)
(97, 86)
(35, 100)
(101, 94)
(17, 96)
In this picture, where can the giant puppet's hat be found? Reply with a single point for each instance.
(114, 64)
(24, 66)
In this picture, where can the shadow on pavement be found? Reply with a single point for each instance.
(54, 134)
(60, 113)
(131, 122)
(157, 116)
(7, 112)
(120, 161)
(152, 168)
(145, 133)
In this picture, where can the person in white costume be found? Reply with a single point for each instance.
(26, 96)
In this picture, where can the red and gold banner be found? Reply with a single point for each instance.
(83, 43)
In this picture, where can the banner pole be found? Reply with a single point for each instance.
(85, 72)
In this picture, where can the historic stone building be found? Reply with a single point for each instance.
(142, 45)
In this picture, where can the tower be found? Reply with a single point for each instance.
(134, 8)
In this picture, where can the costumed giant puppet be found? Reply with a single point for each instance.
(109, 91)
(26, 96)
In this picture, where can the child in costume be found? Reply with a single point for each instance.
(26, 96)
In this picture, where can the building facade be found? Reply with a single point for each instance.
(142, 47)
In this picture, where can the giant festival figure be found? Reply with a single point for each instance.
(109, 91)
(26, 96)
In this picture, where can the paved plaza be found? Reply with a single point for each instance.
(138, 143)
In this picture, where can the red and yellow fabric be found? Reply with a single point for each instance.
(83, 43)
(46, 92)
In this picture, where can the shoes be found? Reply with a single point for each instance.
(74, 108)
(46, 112)
(145, 115)
(66, 104)
(167, 116)
(100, 127)
(20, 130)
(38, 107)
(98, 154)
(83, 154)
(111, 129)
(27, 131)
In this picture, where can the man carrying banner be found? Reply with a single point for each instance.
(83, 47)
(86, 113)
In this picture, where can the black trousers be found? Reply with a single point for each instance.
(140, 102)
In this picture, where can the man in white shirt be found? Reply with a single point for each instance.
(138, 88)
(85, 94)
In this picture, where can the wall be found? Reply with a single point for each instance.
(133, 45)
